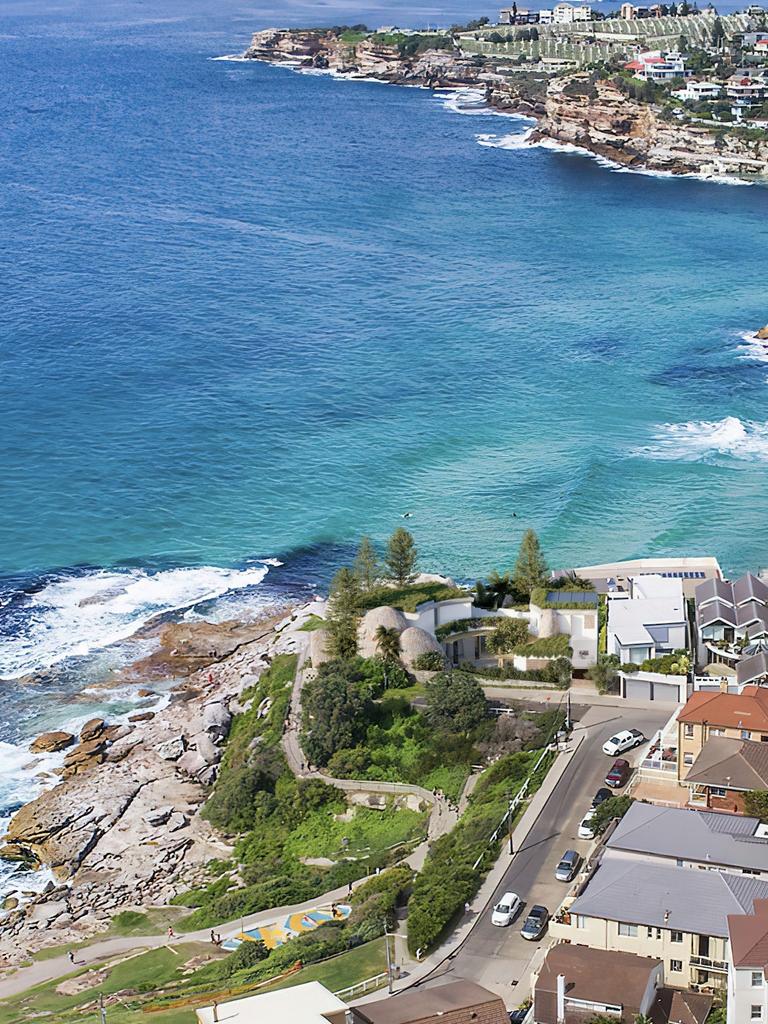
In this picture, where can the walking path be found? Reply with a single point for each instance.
(443, 816)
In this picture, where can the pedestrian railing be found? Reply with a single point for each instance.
(369, 985)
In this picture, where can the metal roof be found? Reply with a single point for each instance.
(705, 837)
(716, 611)
(750, 669)
(658, 896)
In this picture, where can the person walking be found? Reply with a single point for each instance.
(71, 956)
(171, 932)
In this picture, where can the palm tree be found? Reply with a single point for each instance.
(388, 645)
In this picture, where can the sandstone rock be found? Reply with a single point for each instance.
(45, 913)
(143, 692)
(142, 716)
(93, 728)
(216, 718)
(50, 742)
(159, 816)
(20, 854)
(762, 334)
(191, 763)
(172, 749)
(10, 903)
(208, 750)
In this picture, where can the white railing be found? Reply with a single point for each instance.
(657, 765)
(362, 987)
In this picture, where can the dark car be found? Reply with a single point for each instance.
(517, 1016)
(601, 796)
(535, 924)
(618, 774)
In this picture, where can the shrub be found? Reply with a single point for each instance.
(456, 702)
(429, 661)
(247, 954)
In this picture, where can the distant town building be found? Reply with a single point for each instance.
(697, 91)
(655, 67)
(567, 14)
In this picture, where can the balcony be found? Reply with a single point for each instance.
(704, 963)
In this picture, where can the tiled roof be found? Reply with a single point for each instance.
(735, 764)
(455, 1003)
(745, 710)
(716, 611)
(750, 669)
(749, 587)
(593, 975)
(714, 589)
(748, 934)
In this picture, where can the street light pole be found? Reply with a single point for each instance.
(102, 1009)
(509, 825)
(389, 958)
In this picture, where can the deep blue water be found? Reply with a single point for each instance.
(248, 313)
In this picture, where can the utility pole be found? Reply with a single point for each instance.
(389, 958)
(509, 824)
(102, 1009)
(568, 711)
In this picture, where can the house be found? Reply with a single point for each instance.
(311, 1003)
(546, 17)
(566, 14)
(740, 716)
(753, 670)
(672, 914)
(745, 92)
(725, 770)
(460, 1002)
(648, 623)
(683, 838)
(748, 965)
(574, 613)
(655, 67)
(728, 617)
(609, 577)
(627, 11)
(697, 92)
(576, 983)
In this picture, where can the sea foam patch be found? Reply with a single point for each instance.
(696, 440)
(74, 615)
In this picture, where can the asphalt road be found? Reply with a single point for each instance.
(499, 958)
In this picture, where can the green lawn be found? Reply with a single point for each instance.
(407, 598)
(312, 623)
(320, 834)
(342, 971)
(129, 922)
(146, 971)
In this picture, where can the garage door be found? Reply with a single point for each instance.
(665, 691)
(638, 689)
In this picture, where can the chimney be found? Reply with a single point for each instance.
(561, 999)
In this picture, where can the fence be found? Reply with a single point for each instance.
(369, 985)
(516, 801)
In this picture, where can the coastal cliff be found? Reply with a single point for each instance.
(597, 116)
(575, 108)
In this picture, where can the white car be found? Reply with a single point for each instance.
(586, 828)
(505, 909)
(625, 740)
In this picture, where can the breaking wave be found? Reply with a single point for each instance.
(695, 441)
(73, 615)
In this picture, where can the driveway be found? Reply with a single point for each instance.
(499, 958)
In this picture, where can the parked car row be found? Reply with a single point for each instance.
(537, 919)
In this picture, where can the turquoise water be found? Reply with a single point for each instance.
(250, 314)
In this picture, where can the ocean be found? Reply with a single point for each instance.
(249, 315)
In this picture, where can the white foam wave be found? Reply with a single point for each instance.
(517, 140)
(235, 57)
(753, 348)
(696, 440)
(611, 165)
(76, 615)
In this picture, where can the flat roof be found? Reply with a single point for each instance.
(629, 618)
(705, 837)
(658, 896)
(302, 1004)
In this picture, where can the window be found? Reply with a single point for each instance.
(688, 759)
(689, 729)
(676, 966)
(757, 979)
(654, 933)
(746, 734)
(675, 936)
(579, 921)
(717, 732)
(718, 791)
(630, 930)
(679, 862)
(756, 1012)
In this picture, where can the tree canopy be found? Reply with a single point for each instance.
(343, 612)
(366, 567)
(401, 556)
(455, 702)
(531, 567)
(336, 706)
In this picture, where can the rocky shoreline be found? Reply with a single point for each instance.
(574, 109)
(121, 830)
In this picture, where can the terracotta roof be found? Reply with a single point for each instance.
(460, 1002)
(735, 764)
(595, 975)
(748, 934)
(745, 710)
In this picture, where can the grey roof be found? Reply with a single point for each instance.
(752, 612)
(729, 763)
(658, 896)
(714, 589)
(750, 588)
(750, 669)
(706, 837)
(716, 611)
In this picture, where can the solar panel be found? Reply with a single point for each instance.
(572, 597)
